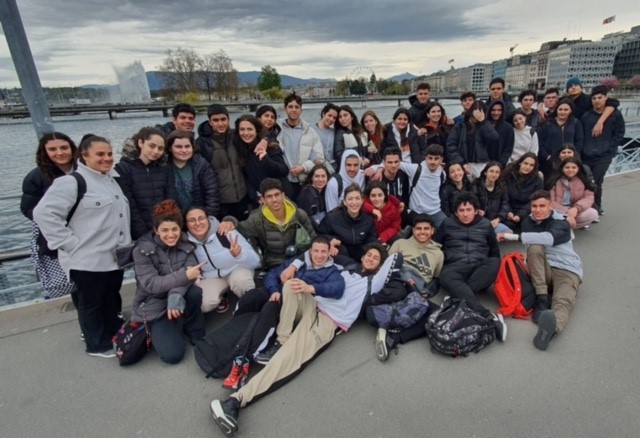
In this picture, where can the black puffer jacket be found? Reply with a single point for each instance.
(448, 192)
(417, 111)
(144, 185)
(466, 147)
(506, 137)
(417, 143)
(34, 186)
(470, 244)
(224, 157)
(255, 169)
(495, 203)
(519, 191)
(160, 272)
(205, 185)
(354, 233)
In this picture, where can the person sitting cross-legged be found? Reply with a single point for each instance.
(554, 266)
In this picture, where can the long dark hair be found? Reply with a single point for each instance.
(582, 174)
(43, 162)
(513, 169)
(245, 149)
(500, 184)
(356, 129)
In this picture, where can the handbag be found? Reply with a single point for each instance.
(131, 342)
(303, 240)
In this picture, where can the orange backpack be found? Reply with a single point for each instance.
(513, 287)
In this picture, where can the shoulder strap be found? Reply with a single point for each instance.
(338, 178)
(82, 189)
(416, 177)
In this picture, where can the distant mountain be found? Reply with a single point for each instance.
(154, 78)
(401, 77)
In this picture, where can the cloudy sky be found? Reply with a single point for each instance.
(76, 42)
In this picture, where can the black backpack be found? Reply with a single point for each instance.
(399, 315)
(457, 330)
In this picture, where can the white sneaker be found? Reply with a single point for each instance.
(501, 327)
(382, 352)
(108, 354)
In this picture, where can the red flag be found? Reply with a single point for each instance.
(609, 20)
(451, 60)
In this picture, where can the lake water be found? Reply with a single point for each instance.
(17, 157)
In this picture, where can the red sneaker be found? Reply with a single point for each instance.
(223, 306)
(233, 379)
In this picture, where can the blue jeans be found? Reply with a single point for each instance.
(165, 333)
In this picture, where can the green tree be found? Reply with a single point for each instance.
(342, 88)
(358, 87)
(273, 93)
(269, 78)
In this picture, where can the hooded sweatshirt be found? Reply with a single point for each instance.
(333, 196)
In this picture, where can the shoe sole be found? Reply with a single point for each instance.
(382, 353)
(262, 361)
(228, 426)
(546, 330)
(103, 355)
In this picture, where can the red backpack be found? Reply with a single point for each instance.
(513, 287)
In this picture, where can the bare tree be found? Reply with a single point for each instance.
(180, 71)
(217, 74)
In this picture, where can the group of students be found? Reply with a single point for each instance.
(214, 214)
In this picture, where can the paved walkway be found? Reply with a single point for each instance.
(587, 384)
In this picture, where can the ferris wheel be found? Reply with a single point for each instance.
(365, 74)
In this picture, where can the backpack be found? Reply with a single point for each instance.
(399, 315)
(513, 287)
(43, 245)
(457, 330)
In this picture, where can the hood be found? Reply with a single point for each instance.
(496, 103)
(346, 179)
(204, 129)
(213, 228)
(413, 101)
(307, 260)
(290, 212)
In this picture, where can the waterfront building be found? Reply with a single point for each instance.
(627, 60)
(499, 68)
(520, 74)
(475, 78)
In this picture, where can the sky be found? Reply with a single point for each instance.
(76, 42)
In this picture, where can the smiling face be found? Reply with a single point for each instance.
(99, 157)
(319, 179)
(59, 151)
(541, 208)
(423, 232)
(391, 165)
(247, 131)
(519, 121)
(527, 165)
(329, 118)
(566, 153)
(401, 122)
(181, 150)
(456, 172)
(352, 166)
(268, 120)
(169, 233)
(151, 149)
(563, 111)
(466, 213)
(345, 119)
(435, 114)
(353, 202)
(467, 103)
(198, 223)
(219, 123)
(370, 124)
(185, 122)
(570, 170)
(376, 196)
(371, 260)
(294, 111)
(274, 200)
(319, 253)
(496, 112)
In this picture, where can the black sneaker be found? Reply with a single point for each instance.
(501, 327)
(546, 330)
(382, 353)
(542, 304)
(265, 356)
(225, 413)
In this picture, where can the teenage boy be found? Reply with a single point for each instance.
(417, 111)
(300, 143)
(215, 139)
(549, 103)
(273, 226)
(466, 100)
(582, 103)
(472, 257)
(527, 98)
(183, 119)
(598, 152)
(553, 264)
(321, 311)
(349, 173)
(496, 92)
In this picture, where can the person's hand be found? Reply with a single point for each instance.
(365, 162)
(377, 214)
(377, 176)
(478, 115)
(225, 227)
(572, 212)
(572, 221)
(597, 129)
(401, 207)
(194, 272)
(467, 168)
(318, 162)
(449, 121)
(296, 170)
(301, 287)
(288, 274)
(276, 296)
(261, 149)
(510, 216)
(422, 131)
(500, 237)
(410, 282)
(235, 247)
(516, 218)
(335, 247)
(174, 314)
(481, 212)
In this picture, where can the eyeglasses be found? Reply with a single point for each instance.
(194, 220)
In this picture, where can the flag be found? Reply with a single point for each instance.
(451, 60)
(609, 20)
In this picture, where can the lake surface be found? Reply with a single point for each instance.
(17, 157)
